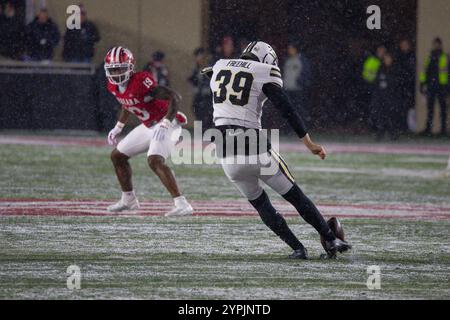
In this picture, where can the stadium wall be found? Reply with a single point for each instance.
(433, 20)
(145, 26)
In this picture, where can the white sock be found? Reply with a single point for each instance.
(128, 196)
(179, 201)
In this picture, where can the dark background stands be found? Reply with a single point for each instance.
(106, 105)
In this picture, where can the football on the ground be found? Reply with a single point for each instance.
(337, 229)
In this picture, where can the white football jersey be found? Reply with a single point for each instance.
(236, 86)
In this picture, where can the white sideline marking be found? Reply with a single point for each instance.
(426, 174)
(333, 147)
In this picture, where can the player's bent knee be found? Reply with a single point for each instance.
(156, 162)
(254, 194)
(118, 158)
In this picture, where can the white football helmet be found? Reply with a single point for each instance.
(260, 51)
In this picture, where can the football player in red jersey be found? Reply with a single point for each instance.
(157, 109)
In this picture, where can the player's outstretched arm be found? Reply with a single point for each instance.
(165, 93)
(281, 101)
(314, 148)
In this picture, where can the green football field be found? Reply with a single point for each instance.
(393, 200)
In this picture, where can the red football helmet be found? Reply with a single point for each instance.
(119, 65)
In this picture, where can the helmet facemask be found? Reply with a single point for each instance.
(119, 74)
(274, 58)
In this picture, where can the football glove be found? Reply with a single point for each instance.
(112, 135)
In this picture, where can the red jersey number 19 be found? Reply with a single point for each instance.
(148, 83)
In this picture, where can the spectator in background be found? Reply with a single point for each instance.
(406, 66)
(372, 65)
(225, 50)
(42, 36)
(158, 68)
(385, 100)
(202, 105)
(12, 33)
(297, 81)
(434, 83)
(79, 44)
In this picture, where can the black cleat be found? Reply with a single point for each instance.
(301, 253)
(337, 245)
(327, 256)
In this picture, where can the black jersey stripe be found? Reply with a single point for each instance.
(283, 166)
(275, 69)
(285, 173)
(250, 47)
(275, 75)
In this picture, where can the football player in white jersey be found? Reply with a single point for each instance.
(240, 87)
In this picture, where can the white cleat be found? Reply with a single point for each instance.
(184, 210)
(122, 206)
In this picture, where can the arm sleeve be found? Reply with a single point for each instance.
(281, 101)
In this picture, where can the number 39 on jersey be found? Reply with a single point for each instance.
(237, 90)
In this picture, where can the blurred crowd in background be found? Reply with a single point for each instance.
(386, 100)
(384, 97)
(38, 40)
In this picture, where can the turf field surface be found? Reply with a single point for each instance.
(393, 200)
